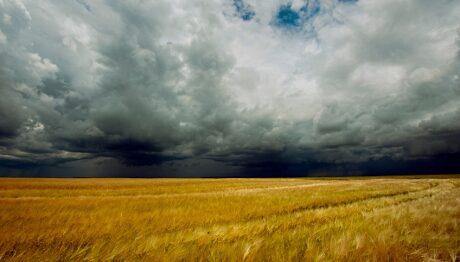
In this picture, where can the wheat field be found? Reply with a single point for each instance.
(353, 219)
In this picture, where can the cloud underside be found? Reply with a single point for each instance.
(223, 87)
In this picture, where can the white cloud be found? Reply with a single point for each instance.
(191, 78)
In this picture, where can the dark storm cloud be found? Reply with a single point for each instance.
(216, 88)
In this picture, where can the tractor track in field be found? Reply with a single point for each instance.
(204, 231)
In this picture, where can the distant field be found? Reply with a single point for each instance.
(370, 219)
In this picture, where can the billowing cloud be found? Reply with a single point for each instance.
(229, 87)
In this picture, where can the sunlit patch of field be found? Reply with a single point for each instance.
(370, 219)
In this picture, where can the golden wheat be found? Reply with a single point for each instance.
(367, 219)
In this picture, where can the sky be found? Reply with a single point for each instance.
(215, 88)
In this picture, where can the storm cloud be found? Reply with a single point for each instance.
(229, 88)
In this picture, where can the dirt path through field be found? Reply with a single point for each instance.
(229, 191)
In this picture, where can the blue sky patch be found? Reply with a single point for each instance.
(243, 10)
(287, 17)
